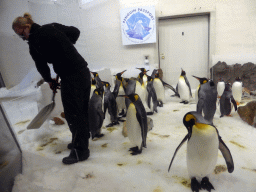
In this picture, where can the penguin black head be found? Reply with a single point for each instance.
(183, 73)
(119, 75)
(106, 84)
(191, 118)
(133, 97)
(93, 81)
(157, 75)
(99, 91)
(95, 74)
(202, 80)
(150, 78)
(238, 79)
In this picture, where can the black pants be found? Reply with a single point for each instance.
(75, 93)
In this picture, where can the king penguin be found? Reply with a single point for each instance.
(97, 79)
(225, 101)
(110, 105)
(237, 90)
(207, 97)
(159, 86)
(184, 88)
(202, 150)
(136, 123)
(143, 75)
(96, 114)
(152, 98)
(93, 86)
(201, 80)
(119, 89)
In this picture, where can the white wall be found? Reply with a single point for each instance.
(100, 42)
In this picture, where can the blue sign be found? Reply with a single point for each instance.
(138, 25)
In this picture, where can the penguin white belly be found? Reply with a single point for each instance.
(159, 88)
(237, 91)
(220, 88)
(183, 90)
(202, 151)
(133, 126)
(121, 100)
(93, 87)
(142, 92)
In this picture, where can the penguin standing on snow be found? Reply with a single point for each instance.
(225, 101)
(136, 123)
(152, 98)
(110, 105)
(207, 97)
(202, 151)
(201, 80)
(184, 88)
(237, 90)
(220, 87)
(96, 114)
(119, 89)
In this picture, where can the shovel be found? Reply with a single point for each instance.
(40, 118)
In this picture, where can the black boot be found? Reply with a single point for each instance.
(76, 155)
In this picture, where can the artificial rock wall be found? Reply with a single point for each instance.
(247, 72)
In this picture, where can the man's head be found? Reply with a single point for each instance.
(22, 25)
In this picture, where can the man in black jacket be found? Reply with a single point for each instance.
(53, 43)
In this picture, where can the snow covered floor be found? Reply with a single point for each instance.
(111, 168)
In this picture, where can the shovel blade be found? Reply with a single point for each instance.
(40, 118)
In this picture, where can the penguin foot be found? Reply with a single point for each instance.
(134, 148)
(122, 113)
(99, 135)
(195, 185)
(110, 125)
(150, 113)
(221, 116)
(119, 119)
(160, 104)
(205, 184)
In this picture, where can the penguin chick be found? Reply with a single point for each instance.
(237, 90)
(207, 97)
(96, 114)
(136, 123)
(110, 105)
(202, 150)
(184, 88)
(201, 80)
(225, 101)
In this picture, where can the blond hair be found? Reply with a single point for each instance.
(22, 21)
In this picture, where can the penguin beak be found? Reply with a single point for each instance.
(196, 77)
(123, 72)
(123, 96)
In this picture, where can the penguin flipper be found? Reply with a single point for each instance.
(234, 103)
(142, 119)
(170, 87)
(227, 155)
(180, 145)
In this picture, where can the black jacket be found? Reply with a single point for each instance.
(53, 43)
